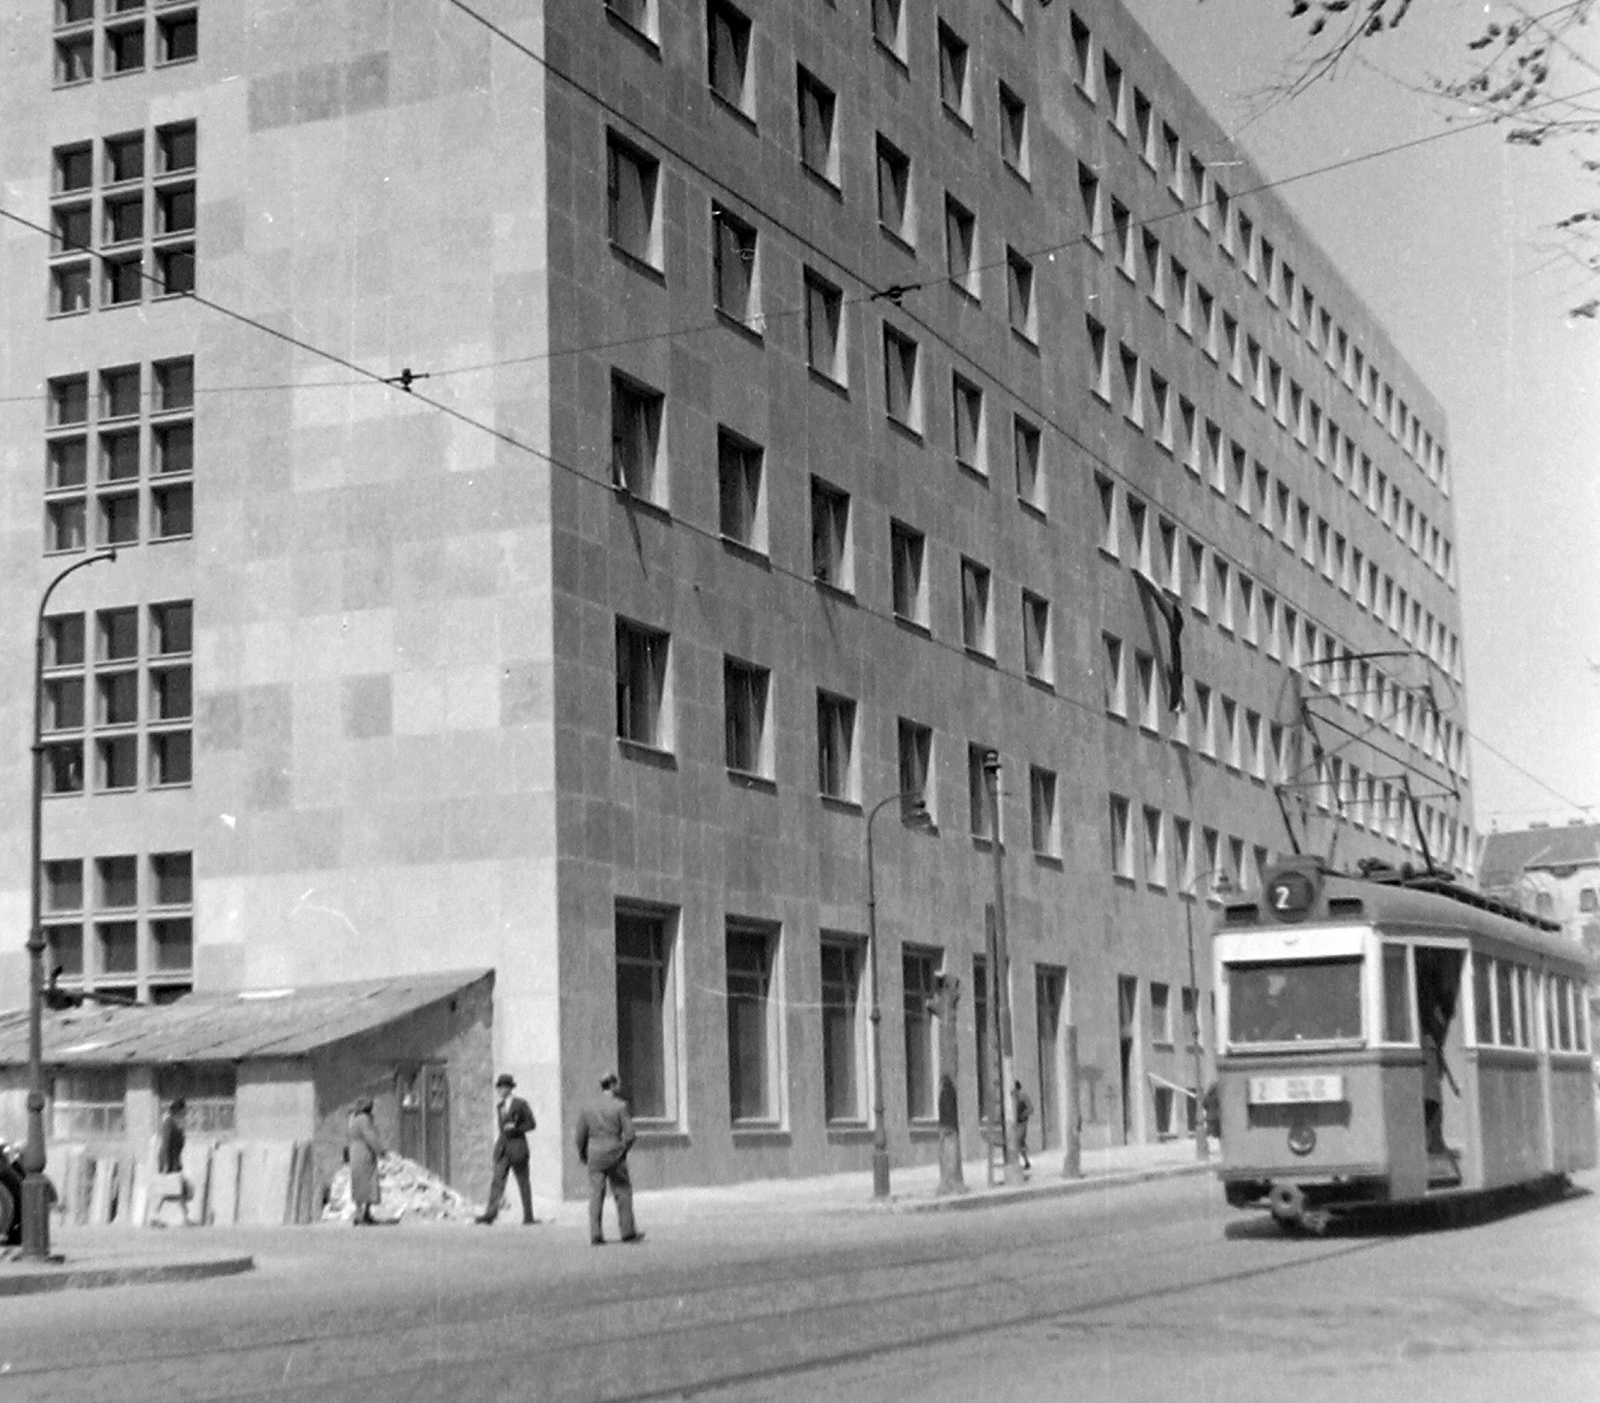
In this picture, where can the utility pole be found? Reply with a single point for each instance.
(1002, 966)
(944, 1004)
(1072, 1161)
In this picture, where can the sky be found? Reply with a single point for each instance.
(1450, 245)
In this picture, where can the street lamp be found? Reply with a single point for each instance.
(35, 1187)
(916, 812)
(1202, 1142)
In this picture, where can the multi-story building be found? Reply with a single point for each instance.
(1551, 871)
(570, 463)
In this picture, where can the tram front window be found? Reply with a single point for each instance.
(1288, 1001)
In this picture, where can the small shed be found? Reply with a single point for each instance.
(272, 1065)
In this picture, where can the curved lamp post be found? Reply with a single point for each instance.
(35, 1204)
(1202, 1142)
(916, 811)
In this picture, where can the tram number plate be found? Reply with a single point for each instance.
(1278, 1091)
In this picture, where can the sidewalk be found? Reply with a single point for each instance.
(114, 1256)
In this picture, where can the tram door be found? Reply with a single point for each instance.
(1128, 1056)
(424, 1096)
(1438, 1020)
(1050, 988)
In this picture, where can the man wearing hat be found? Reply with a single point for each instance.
(605, 1135)
(510, 1150)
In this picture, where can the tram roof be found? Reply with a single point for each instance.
(1404, 897)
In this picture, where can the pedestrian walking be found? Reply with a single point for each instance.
(363, 1150)
(605, 1135)
(169, 1151)
(515, 1118)
(1024, 1112)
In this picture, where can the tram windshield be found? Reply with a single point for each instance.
(1286, 1001)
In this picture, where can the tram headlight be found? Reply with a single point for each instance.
(1302, 1139)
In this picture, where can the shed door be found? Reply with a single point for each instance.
(425, 1118)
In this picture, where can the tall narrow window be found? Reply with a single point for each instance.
(894, 192)
(830, 536)
(888, 26)
(631, 179)
(967, 420)
(919, 972)
(977, 621)
(745, 687)
(641, 684)
(635, 437)
(1026, 449)
(960, 238)
(1019, 295)
(734, 267)
(754, 1024)
(902, 397)
(728, 53)
(824, 328)
(1013, 131)
(647, 1051)
(843, 1030)
(914, 747)
(1121, 838)
(740, 484)
(954, 90)
(836, 726)
(906, 548)
(1046, 830)
(819, 151)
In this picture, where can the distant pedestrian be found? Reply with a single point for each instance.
(515, 1119)
(169, 1154)
(605, 1135)
(364, 1150)
(1024, 1113)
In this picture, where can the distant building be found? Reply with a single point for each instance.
(787, 404)
(1552, 871)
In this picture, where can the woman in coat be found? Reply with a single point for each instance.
(364, 1151)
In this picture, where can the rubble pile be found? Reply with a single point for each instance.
(406, 1190)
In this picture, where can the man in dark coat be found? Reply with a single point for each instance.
(170, 1158)
(510, 1151)
(604, 1137)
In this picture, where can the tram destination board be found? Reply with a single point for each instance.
(1279, 1091)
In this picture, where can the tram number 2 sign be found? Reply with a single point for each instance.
(1290, 896)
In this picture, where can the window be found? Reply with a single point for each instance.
(1206, 740)
(967, 418)
(1183, 840)
(1154, 271)
(1044, 825)
(728, 54)
(895, 213)
(906, 549)
(145, 219)
(647, 1012)
(638, 15)
(632, 176)
(902, 392)
(1082, 66)
(1160, 1014)
(919, 975)
(836, 728)
(1122, 234)
(1019, 295)
(1121, 839)
(830, 536)
(824, 338)
(915, 753)
(844, 1029)
(1155, 849)
(1144, 128)
(1161, 411)
(749, 743)
(1116, 100)
(819, 150)
(960, 237)
(755, 1027)
(1106, 495)
(635, 437)
(978, 816)
(130, 896)
(88, 1104)
(954, 89)
(1013, 132)
(74, 47)
(741, 490)
(888, 26)
(977, 621)
(1089, 194)
(642, 685)
(1144, 672)
(1099, 362)
(733, 253)
(1116, 690)
(1132, 385)
(1038, 647)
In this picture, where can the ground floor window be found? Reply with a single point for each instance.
(919, 971)
(88, 1104)
(647, 1014)
(754, 1024)
(843, 1029)
(210, 1092)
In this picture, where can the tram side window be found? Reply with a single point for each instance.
(1505, 1003)
(1561, 1017)
(1525, 1007)
(1294, 1001)
(1397, 1002)
(1483, 999)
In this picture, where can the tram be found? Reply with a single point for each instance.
(1394, 1038)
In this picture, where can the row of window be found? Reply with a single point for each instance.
(1191, 183)
(121, 924)
(1181, 566)
(1148, 403)
(90, 1103)
(125, 34)
(1506, 1007)
(131, 198)
(119, 456)
(122, 714)
(1228, 863)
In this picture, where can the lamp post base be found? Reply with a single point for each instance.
(1202, 1146)
(35, 1209)
(880, 1173)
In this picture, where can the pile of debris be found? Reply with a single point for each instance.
(406, 1190)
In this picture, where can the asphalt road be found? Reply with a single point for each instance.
(1135, 1294)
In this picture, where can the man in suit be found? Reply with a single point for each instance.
(510, 1151)
(605, 1135)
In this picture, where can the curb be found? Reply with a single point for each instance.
(67, 1278)
(1023, 1193)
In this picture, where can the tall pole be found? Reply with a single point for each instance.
(1202, 1138)
(991, 784)
(35, 1204)
(880, 1133)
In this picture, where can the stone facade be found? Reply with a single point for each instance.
(407, 602)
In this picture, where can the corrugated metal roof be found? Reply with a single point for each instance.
(1506, 856)
(227, 1027)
